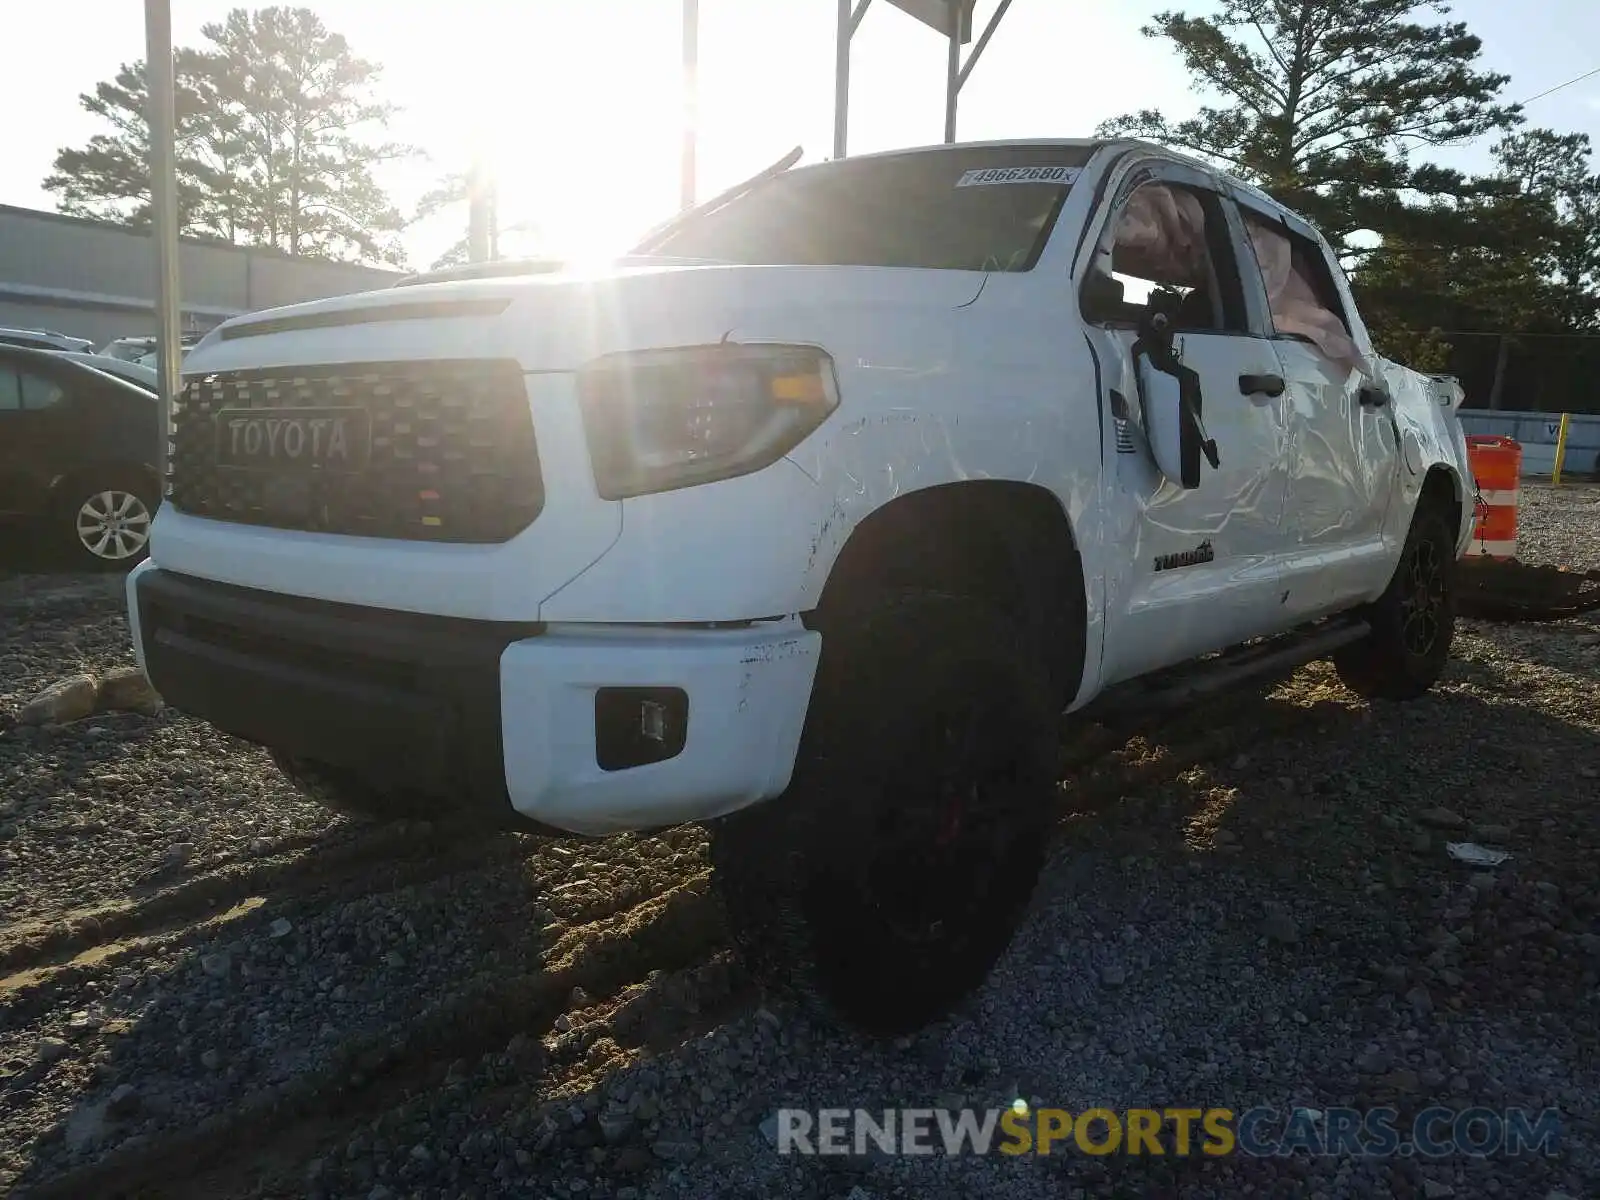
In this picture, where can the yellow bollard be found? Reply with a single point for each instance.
(1561, 450)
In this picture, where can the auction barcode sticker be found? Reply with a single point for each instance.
(991, 175)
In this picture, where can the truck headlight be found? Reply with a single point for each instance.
(663, 419)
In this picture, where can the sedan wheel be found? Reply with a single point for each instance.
(113, 527)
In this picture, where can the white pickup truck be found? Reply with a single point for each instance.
(808, 521)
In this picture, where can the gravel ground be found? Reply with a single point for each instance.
(210, 988)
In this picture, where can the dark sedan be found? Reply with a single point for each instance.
(78, 449)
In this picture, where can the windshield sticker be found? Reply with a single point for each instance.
(983, 177)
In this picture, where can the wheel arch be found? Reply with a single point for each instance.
(1006, 542)
(72, 488)
(102, 468)
(1443, 487)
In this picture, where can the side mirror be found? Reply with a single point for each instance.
(1102, 298)
(1170, 395)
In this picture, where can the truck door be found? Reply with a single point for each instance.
(1193, 570)
(1345, 444)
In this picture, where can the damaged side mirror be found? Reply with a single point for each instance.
(1170, 395)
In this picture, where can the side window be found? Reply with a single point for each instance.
(38, 393)
(1175, 239)
(10, 390)
(1301, 292)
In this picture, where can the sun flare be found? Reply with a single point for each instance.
(581, 137)
(577, 111)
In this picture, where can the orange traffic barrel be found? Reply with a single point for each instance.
(1497, 466)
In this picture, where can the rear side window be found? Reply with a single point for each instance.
(964, 209)
(38, 393)
(1301, 292)
(20, 390)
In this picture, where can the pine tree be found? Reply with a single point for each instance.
(1321, 102)
(278, 138)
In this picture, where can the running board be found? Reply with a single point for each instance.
(1163, 691)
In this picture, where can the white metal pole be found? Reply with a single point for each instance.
(956, 74)
(478, 204)
(691, 106)
(841, 80)
(952, 72)
(164, 216)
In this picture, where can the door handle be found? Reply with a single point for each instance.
(1270, 385)
(1372, 397)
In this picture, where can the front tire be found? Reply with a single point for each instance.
(891, 876)
(1413, 622)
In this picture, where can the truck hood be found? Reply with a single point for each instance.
(558, 321)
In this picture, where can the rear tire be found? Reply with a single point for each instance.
(892, 874)
(1413, 622)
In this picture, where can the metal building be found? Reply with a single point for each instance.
(96, 280)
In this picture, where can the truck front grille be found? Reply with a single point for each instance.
(439, 451)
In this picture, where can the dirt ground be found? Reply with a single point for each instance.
(211, 987)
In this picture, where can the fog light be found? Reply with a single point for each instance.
(636, 726)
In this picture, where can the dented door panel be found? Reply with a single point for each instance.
(1343, 470)
(1199, 568)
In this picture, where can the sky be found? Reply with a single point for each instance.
(580, 103)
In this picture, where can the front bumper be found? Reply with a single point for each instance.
(497, 720)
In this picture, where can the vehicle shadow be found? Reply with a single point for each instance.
(1379, 789)
(1324, 809)
(1350, 833)
(1299, 893)
(1571, 646)
(226, 1054)
(25, 551)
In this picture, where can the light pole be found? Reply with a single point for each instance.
(164, 217)
(691, 105)
(480, 211)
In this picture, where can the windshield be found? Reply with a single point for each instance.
(127, 351)
(966, 208)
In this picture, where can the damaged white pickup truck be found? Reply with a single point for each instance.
(808, 521)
